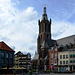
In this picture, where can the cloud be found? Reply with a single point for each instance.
(18, 28)
(62, 29)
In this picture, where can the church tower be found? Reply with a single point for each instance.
(44, 30)
(44, 41)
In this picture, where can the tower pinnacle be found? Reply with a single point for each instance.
(44, 16)
(44, 8)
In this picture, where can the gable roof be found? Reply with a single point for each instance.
(19, 53)
(66, 41)
(4, 46)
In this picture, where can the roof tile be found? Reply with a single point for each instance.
(4, 46)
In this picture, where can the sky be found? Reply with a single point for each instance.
(19, 21)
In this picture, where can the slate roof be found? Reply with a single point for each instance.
(4, 46)
(48, 43)
(66, 41)
(72, 49)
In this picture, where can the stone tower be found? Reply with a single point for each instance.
(44, 30)
(44, 41)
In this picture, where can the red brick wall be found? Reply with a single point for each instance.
(50, 52)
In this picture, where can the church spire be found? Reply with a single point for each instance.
(44, 8)
(44, 16)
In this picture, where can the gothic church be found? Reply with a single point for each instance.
(44, 41)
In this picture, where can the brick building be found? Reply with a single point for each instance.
(53, 58)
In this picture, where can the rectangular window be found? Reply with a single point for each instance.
(11, 55)
(11, 61)
(73, 55)
(60, 62)
(70, 61)
(55, 49)
(3, 61)
(60, 56)
(66, 56)
(2, 55)
(55, 61)
(52, 55)
(55, 54)
(66, 62)
(70, 56)
(6, 55)
(51, 61)
(63, 56)
(63, 62)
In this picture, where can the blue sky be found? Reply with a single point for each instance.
(19, 21)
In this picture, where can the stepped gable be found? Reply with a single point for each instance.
(4, 46)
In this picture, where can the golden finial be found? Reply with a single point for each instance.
(44, 5)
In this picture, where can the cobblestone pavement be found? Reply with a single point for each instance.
(58, 74)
